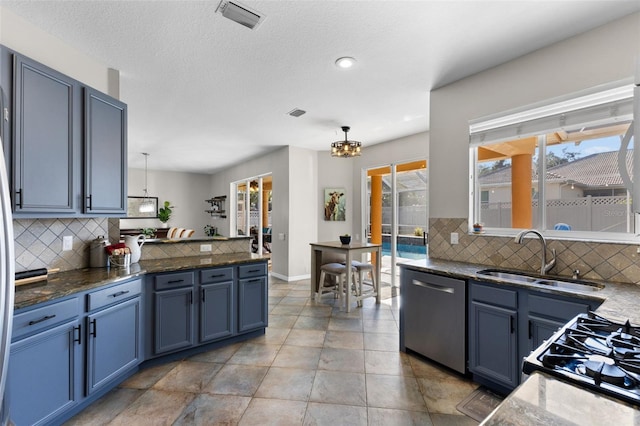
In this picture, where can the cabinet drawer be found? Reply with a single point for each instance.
(179, 279)
(495, 296)
(252, 270)
(216, 275)
(44, 317)
(562, 309)
(107, 296)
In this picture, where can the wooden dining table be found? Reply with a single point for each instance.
(325, 252)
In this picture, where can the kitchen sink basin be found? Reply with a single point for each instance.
(575, 285)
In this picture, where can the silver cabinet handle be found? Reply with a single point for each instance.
(435, 287)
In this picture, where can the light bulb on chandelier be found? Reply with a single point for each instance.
(346, 148)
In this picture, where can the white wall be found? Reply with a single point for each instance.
(29, 40)
(336, 173)
(186, 191)
(605, 54)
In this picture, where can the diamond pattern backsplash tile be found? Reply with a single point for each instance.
(595, 261)
(38, 242)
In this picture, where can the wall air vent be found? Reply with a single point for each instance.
(296, 112)
(239, 13)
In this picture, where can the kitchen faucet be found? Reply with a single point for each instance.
(544, 266)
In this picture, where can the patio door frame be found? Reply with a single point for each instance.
(247, 206)
(366, 209)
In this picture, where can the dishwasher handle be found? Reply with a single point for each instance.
(432, 286)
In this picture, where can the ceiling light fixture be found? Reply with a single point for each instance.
(146, 206)
(345, 62)
(345, 148)
(240, 13)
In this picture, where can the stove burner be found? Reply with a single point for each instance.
(602, 369)
(596, 353)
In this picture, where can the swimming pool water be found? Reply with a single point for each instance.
(405, 251)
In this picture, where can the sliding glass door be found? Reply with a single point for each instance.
(397, 215)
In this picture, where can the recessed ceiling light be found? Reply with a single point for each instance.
(345, 62)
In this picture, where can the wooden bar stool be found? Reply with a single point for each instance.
(339, 272)
(364, 268)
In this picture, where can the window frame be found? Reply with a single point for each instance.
(511, 118)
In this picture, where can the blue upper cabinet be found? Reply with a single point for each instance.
(45, 135)
(68, 144)
(105, 152)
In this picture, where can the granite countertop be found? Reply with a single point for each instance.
(63, 284)
(543, 399)
(195, 240)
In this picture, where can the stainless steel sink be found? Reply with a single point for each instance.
(574, 285)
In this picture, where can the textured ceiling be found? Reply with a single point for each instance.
(205, 92)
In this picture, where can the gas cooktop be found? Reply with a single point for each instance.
(593, 352)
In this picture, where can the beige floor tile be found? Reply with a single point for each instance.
(286, 383)
(424, 368)
(316, 311)
(377, 314)
(337, 387)
(106, 408)
(297, 357)
(345, 324)
(266, 412)
(188, 376)
(392, 363)
(442, 396)
(380, 326)
(294, 301)
(255, 354)
(272, 336)
(312, 338)
(389, 416)
(281, 309)
(336, 359)
(344, 340)
(452, 420)
(282, 321)
(148, 377)
(311, 323)
(278, 292)
(300, 292)
(394, 392)
(381, 341)
(241, 380)
(334, 414)
(220, 355)
(207, 410)
(154, 407)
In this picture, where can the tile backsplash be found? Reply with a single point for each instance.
(595, 261)
(38, 242)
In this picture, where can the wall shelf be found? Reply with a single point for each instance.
(217, 206)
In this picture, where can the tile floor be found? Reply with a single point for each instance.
(316, 365)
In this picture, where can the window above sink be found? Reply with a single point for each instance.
(565, 168)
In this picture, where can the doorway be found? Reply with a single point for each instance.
(397, 211)
(254, 211)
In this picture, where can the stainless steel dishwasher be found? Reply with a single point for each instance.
(433, 317)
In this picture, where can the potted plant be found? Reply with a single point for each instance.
(345, 239)
(164, 212)
(148, 232)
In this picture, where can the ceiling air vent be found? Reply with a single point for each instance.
(296, 112)
(239, 13)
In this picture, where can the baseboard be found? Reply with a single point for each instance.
(289, 279)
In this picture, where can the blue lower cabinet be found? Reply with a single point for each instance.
(45, 376)
(252, 304)
(217, 311)
(173, 320)
(113, 342)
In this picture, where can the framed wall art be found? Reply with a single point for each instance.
(335, 201)
(142, 207)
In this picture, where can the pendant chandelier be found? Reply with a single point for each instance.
(146, 206)
(345, 148)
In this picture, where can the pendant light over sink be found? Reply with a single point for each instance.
(345, 148)
(146, 206)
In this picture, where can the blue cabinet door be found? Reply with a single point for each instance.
(47, 139)
(45, 374)
(105, 154)
(493, 343)
(216, 311)
(252, 304)
(174, 316)
(113, 342)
